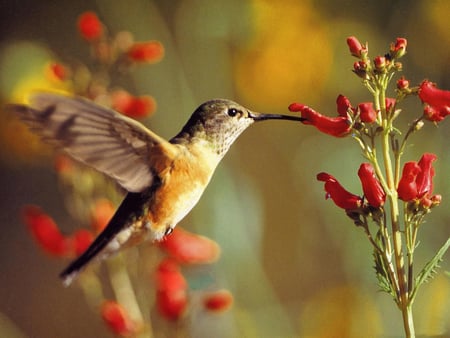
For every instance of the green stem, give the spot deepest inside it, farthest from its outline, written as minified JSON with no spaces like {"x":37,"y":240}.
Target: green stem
{"x":380,"y":104}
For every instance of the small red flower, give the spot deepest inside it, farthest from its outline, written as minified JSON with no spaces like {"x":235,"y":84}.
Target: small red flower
{"x":399,"y":48}
{"x":149,"y":51}
{"x":58,"y":71}
{"x":373,"y":191}
{"x":341,"y":197}
{"x":355,"y":47}
{"x":343,"y":105}
{"x":172,"y":305}
{"x":188,"y":248}
{"x":133,"y":106}
{"x":81,"y":240}
{"x":218,"y":301}
{"x":367,"y":113}
{"x":417,"y":180}
{"x":437,"y":101}
{"x":425,"y":176}
{"x":117,"y":319}
{"x":407,"y":186}
{"x":90,"y":26}
{"x":46,"y":232}
{"x":171,"y":290}
{"x":336,"y":126}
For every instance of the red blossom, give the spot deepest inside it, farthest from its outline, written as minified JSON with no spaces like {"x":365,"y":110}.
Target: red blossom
{"x":417,"y":181}
{"x":407,"y":186}
{"x":425,"y":176}
{"x":171,"y":290}
{"x":341,"y":197}
{"x":189,"y":248}
{"x":172,"y":305}
{"x":373,"y":191}
{"x":58,"y":71}
{"x":336,"y":126}
{"x":81,"y":240}
{"x":218,"y":301}
{"x":117,"y":319}
{"x":149,"y":51}
{"x":90,"y":26}
{"x":133,"y":106}
{"x":46,"y":232}
{"x":366,"y":112}
{"x":437,"y":101}
{"x":355,"y":47}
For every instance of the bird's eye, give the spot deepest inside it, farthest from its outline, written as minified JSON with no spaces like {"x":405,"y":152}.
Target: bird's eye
{"x":233,"y":112}
{"x":168,"y":231}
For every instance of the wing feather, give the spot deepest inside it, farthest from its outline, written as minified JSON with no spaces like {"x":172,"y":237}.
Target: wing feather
{"x":100,"y":137}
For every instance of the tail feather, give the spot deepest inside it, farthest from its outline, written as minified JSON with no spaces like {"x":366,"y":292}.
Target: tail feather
{"x":130,"y":208}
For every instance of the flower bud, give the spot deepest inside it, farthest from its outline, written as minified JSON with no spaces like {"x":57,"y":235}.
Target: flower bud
{"x":402,"y":83}
{"x":437,"y":101}
{"x":218,"y":301}
{"x":355,"y":47}
{"x":407,"y":186}
{"x":148,"y":52}
{"x":425,"y":176}
{"x":117,"y":319}
{"x":399,"y":48}
{"x":343,"y":105}
{"x":380,"y":63}
{"x":89,"y":26}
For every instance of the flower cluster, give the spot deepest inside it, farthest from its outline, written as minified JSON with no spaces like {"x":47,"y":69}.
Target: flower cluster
{"x":371,"y":124}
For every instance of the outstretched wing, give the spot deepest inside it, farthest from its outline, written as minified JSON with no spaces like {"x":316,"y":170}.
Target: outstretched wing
{"x":97,"y":136}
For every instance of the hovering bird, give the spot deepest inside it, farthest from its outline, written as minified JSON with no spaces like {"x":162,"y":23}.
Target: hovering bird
{"x":164,"y":179}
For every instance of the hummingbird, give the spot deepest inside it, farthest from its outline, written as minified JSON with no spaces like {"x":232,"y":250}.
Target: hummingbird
{"x":163,"y":179}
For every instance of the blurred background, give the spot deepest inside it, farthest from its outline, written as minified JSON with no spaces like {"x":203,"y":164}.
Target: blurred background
{"x":297,"y":267}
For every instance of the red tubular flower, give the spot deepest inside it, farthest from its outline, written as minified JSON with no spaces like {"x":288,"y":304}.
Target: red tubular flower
{"x":149,"y":51}
{"x":189,"y":248}
{"x":355,"y":47}
{"x":399,"y":48}
{"x":367,"y":113}
{"x":171,"y":286}
{"x":437,"y":101}
{"x":425,"y":176}
{"x":46,"y":232}
{"x":341,"y":197}
{"x":407,"y":186}
{"x":117,"y":319}
{"x":90,"y":26}
{"x":335,"y":126}
{"x":373,"y":191}
{"x":133,"y":106}
{"x":218,"y":301}
{"x":343,"y":105}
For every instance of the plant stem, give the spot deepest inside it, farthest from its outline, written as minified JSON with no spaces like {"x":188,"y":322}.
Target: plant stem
{"x":391,"y":192}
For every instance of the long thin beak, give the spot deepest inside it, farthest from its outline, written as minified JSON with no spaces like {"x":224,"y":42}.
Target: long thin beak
{"x":262,"y":117}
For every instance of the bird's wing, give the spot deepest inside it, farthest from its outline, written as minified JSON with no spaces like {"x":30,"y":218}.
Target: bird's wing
{"x":97,"y":136}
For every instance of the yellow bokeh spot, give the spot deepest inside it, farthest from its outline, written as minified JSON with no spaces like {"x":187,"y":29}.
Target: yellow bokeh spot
{"x":340,"y":312}
{"x":25,"y":70}
{"x":288,"y":57}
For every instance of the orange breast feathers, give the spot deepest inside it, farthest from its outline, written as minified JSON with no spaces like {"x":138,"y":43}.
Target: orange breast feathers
{"x":183,"y":181}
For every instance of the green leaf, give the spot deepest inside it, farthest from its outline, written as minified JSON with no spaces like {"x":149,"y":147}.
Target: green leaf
{"x":429,"y":270}
{"x":382,"y":274}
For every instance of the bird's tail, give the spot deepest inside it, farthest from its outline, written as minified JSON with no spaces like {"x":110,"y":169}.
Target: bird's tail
{"x":130,"y":208}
